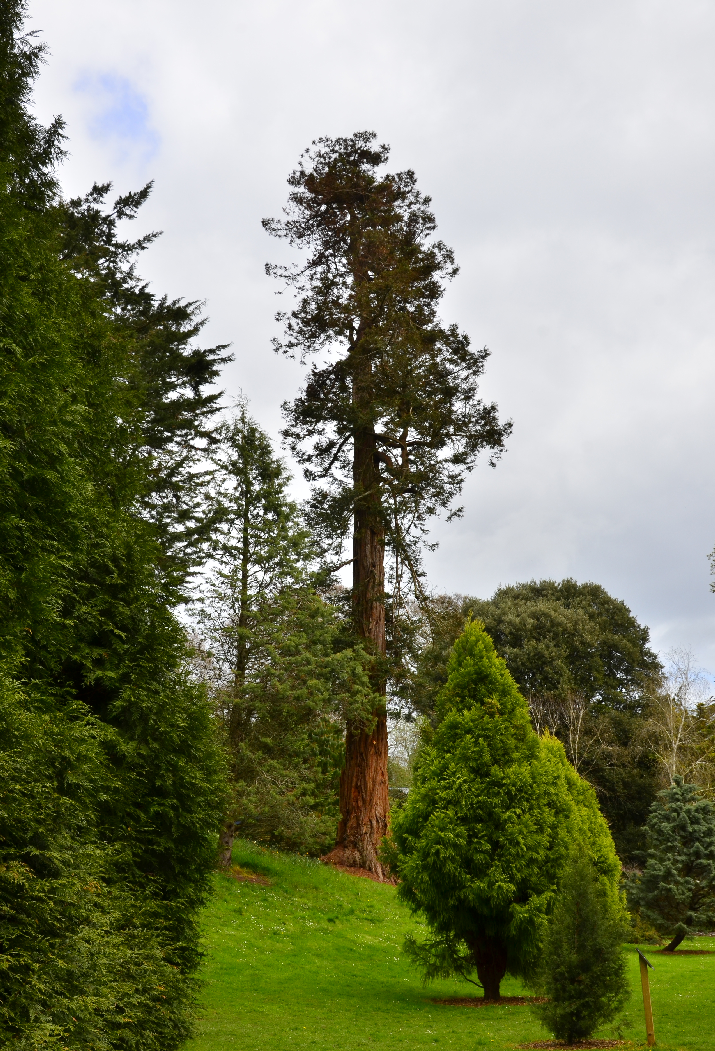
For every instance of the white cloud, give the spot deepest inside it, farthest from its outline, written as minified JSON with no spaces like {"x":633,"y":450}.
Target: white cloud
{"x":569,"y":150}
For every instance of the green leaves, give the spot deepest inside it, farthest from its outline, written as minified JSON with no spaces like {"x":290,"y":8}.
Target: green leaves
{"x":279,"y":672}
{"x":83,"y":954}
{"x":562,"y":637}
{"x":583,"y":663}
{"x":111,"y":779}
{"x":485,"y":830}
{"x":168,"y":377}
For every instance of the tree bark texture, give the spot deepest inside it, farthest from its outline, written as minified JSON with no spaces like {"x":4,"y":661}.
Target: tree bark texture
{"x":673,"y":945}
{"x":489,"y":955}
{"x":364,"y":801}
{"x":225,"y":845}
{"x":363,"y":798}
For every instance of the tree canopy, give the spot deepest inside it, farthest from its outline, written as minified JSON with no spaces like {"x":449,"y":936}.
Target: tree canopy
{"x":563,"y":637}
{"x":171,"y":376}
{"x":583,"y":663}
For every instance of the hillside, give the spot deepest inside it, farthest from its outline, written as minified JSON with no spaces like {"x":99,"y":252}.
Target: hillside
{"x":301,"y":956}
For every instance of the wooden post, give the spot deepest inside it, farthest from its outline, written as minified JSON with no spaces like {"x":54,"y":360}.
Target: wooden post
{"x":650,"y":1032}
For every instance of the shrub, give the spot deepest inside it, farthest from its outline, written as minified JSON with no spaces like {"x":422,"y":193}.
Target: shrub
{"x":583,"y":969}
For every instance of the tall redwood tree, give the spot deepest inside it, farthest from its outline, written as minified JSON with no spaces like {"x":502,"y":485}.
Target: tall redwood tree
{"x":389,"y":420}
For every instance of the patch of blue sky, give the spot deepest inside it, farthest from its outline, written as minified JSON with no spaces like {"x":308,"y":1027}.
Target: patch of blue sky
{"x":120,"y":114}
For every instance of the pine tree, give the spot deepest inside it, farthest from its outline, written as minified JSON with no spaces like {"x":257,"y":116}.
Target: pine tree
{"x":676,"y":891}
{"x":582,"y":973}
{"x":389,"y":423}
{"x":481,"y":842}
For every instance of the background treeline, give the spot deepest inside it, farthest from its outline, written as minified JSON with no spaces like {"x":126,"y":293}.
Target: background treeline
{"x":629,"y":724}
{"x":273,"y":645}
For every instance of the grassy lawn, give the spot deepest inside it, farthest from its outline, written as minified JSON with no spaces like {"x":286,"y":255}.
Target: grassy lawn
{"x":312,"y":959}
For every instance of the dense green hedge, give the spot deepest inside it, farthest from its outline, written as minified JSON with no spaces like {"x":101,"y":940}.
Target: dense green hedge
{"x":111,"y":777}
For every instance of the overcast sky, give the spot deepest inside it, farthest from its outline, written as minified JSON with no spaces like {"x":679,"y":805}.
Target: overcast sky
{"x":569,"y":151}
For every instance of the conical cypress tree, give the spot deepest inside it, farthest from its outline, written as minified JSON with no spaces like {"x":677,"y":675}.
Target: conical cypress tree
{"x":676,"y":892}
{"x":583,"y":970}
{"x":481,"y":842}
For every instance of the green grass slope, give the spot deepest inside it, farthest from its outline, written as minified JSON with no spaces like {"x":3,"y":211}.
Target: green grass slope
{"x":312,"y":959}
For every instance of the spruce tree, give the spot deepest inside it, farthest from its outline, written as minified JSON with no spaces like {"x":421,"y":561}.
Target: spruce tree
{"x":676,"y":890}
{"x":482,"y":840}
{"x":389,"y":421}
{"x":582,"y":972}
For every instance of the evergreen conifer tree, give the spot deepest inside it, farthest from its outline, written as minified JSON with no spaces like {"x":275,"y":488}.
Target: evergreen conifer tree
{"x":481,"y":842}
{"x":582,"y":972}
{"x":111,"y":773}
{"x":171,"y":377}
{"x":390,"y":422}
{"x":676,"y":890}
{"x":282,"y":677}
{"x":584,"y":665}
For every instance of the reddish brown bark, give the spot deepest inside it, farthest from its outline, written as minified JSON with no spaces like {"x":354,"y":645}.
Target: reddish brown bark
{"x":364,"y":801}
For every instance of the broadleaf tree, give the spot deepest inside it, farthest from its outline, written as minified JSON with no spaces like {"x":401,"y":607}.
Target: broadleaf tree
{"x":389,"y":420}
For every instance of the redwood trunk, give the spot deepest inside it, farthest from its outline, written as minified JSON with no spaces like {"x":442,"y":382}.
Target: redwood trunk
{"x":489,"y":955}
{"x":363,"y":798}
{"x":364,"y":801}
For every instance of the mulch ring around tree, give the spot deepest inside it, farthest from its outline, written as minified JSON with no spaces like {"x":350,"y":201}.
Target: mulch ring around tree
{"x":479,"y":1001}
{"x":583,"y":1045}
{"x":236,"y":872}
{"x":363,"y":873}
{"x":327,"y":859}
